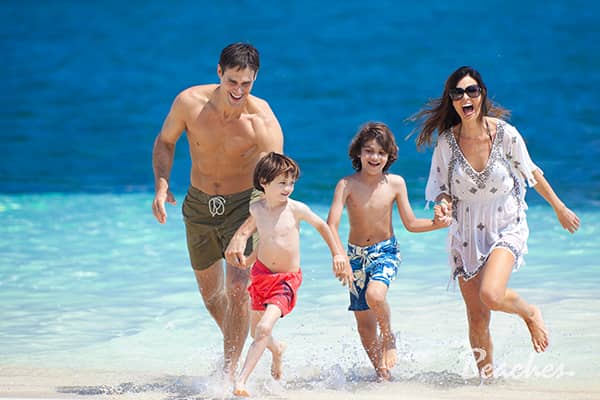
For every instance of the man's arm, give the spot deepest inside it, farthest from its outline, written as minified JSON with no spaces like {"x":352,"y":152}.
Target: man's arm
{"x":163,"y":153}
{"x":272,"y":140}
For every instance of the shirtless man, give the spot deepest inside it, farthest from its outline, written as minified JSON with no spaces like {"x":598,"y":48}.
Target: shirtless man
{"x":228,"y":131}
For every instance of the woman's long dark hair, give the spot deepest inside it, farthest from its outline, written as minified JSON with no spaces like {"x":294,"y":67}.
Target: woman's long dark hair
{"x":440,"y":115}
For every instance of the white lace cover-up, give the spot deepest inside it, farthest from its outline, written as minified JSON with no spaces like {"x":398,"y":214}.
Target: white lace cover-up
{"x":488,"y":206}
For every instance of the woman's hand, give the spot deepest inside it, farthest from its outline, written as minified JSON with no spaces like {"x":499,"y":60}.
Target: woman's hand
{"x":445,"y":208}
{"x":441,"y":218}
{"x":568,"y":219}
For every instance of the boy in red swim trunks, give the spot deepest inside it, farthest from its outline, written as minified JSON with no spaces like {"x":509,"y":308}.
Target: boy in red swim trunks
{"x":276,"y":274}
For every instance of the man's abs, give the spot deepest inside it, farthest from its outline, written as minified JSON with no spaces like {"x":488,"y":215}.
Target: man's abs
{"x":220,"y":183}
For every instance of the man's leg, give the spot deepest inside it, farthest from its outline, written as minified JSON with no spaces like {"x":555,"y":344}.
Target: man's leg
{"x":235,"y":323}
{"x":211,"y":284}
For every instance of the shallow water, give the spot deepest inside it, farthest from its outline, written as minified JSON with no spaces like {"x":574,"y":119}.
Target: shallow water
{"x":93,"y":282}
{"x":88,"y":279}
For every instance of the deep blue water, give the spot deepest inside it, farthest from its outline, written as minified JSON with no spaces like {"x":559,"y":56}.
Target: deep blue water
{"x":85,"y":86}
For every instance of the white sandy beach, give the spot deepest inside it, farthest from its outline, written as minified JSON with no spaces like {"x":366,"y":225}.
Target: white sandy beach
{"x":32,"y":383}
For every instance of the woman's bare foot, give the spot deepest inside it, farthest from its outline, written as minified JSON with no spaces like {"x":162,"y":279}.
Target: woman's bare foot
{"x":240,"y":390}
{"x":537,"y":329}
{"x":277,"y":363}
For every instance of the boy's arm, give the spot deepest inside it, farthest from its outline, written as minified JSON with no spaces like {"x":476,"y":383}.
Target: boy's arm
{"x":336,"y":209}
{"x":567,"y":218}
{"x":410,"y":221}
{"x":337,"y":251}
{"x":342,"y":272}
{"x":234,"y":253}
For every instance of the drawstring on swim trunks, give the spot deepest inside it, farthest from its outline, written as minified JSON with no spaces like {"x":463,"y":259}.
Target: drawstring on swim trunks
{"x":216,"y":205}
{"x":361,"y":253}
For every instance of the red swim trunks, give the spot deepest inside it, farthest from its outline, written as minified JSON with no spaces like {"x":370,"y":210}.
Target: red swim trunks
{"x":268,"y":287}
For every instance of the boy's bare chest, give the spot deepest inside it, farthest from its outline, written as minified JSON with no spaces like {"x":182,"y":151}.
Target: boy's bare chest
{"x":278,"y":225}
{"x":379,"y":199}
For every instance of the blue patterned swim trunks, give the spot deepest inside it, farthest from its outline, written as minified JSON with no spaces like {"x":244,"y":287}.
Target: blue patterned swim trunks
{"x":378,"y":262}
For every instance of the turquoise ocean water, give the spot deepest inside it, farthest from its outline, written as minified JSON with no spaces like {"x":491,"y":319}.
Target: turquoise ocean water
{"x":89,"y":280}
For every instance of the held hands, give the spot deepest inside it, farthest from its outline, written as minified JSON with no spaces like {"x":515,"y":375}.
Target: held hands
{"x":442,"y":213}
{"x":158,"y":205}
{"x":342,"y":269}
{"x":246,"y":262}
{"x":234,"y":253}
{"x":568,"y":219}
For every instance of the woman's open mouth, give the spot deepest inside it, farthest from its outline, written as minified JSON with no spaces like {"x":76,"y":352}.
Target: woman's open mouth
{"x":468,"y":109}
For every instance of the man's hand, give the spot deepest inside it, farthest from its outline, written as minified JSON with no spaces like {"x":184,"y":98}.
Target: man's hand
{"x":234,"y":253}
{"x":158,"y":205}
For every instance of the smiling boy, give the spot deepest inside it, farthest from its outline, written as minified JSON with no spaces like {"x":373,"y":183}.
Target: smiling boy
{"x":276,"y":275}
{"x":369,"y":196}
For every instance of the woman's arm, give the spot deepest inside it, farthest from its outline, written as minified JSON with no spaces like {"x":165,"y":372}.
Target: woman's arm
{"x":567,"y":218}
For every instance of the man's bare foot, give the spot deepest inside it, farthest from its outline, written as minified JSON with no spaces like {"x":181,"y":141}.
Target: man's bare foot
{"x":537,"y":329}
{"x":240,"y":390}
{"x":389,"y":355}
{"x":277,"y":363}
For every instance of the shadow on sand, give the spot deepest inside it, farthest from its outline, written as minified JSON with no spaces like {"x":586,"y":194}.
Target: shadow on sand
{"x":201,"y":388}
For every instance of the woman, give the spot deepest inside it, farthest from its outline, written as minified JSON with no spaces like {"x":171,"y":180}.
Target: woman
{"x":478,"y":173}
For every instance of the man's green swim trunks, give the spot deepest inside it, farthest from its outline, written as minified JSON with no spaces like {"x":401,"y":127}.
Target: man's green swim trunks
{"x":211,"y":222}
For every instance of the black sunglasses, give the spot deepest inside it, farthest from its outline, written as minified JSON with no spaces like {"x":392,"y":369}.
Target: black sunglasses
{"x":471,"y":91}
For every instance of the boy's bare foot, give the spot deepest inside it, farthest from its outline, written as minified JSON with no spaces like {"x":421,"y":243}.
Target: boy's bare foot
{"x":537,"y":329}
{"x":277,"y":363}
{"x":240,"y":390}
{"x":389,"y":355}
{"x":383,"y":374}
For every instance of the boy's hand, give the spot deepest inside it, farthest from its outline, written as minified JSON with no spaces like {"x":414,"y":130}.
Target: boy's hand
{"x":342,"y":269}
{"x":443,"y":212}
{"x":442,"y":216}
{"x":248,"y":261}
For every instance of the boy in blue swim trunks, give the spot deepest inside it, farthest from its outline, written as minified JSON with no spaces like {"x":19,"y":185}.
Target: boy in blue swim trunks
{"x":369,"y":196}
